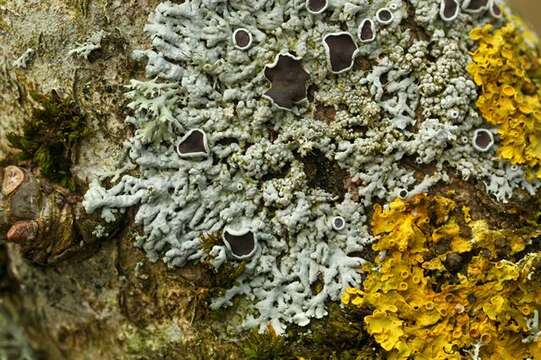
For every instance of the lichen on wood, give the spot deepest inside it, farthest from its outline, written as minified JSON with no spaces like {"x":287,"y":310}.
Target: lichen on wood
{"x":227,"y":225}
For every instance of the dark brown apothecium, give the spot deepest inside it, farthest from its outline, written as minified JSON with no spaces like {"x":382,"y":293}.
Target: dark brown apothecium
{"x":495,"y":10}
{"x":475,"y":5}
{"x":384,"y":16}
{"x":341,"y":51}
{"x":288,"y":81}
{"x":242,"y":244}
{"x":193,"y":144}
{"x":483,"y":140}
{"x":316,"y":6}
{"x":449,"y":9}
{"x":242,"y":39}
{"x":367,"y":32}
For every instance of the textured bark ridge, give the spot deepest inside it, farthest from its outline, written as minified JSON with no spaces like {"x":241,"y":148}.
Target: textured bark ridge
{"x":322,"y":144}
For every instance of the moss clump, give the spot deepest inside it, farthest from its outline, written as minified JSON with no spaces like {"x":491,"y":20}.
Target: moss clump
{"x":336,"y":337}
{"x":266,"y":346}
{"x":338,"y":332}
{"x":208,"y":241}
{"x":324,"y":174}
{"x":51,"y":135}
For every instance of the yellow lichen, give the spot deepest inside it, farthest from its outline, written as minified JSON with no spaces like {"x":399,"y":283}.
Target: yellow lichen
{"x":422,"y":309}
{"x":506,"y":67}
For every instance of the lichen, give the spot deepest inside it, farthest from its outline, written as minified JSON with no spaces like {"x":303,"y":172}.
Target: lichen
{"x":23,"y":61}
{"x":93,"y":43}
{"x":436,"y":292}
{"x":505,"y":65}
{"x":397,"y":121}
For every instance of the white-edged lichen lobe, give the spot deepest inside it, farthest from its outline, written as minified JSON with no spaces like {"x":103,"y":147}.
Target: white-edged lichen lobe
{"x":286,"y":171}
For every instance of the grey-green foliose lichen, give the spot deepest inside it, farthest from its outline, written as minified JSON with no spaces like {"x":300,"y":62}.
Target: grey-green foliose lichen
{"x":406,"y":103}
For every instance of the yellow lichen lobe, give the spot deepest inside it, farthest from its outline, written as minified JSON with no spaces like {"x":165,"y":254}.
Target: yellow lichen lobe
{"x":434,"y":292}
{"x":505,"y":65}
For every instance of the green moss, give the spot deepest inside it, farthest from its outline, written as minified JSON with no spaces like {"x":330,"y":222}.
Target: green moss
{"x":51,"y":136}
{"x":318,"y":285}
{"x":226,"y":276}
{"x":338,"y":336}
{"x":208,"y":241}
{"x":324,"y":174}
{"x":266,"y":347}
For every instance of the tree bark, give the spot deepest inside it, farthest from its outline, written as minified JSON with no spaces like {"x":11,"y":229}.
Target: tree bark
{"x":76,"y":295}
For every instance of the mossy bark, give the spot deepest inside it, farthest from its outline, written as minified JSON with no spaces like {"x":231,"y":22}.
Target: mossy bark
{"x":106,"y":300}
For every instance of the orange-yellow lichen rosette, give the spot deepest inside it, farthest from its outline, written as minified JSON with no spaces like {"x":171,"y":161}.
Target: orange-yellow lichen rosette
{"x":439,"y":288}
